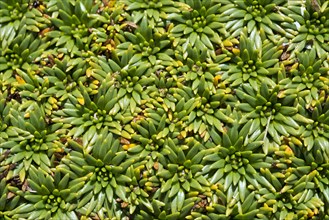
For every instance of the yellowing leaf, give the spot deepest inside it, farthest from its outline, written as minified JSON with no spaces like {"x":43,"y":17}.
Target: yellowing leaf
{"x":61,"y":55}
{"x":20,"y":80}
{"x":294,"y":66}
{"x":216,"y":79}
{"x":128,"y":146}
{"x":41,"y":8}
{"x":52,"y":100}
{"x":109,"y":47}
{"x":180,"y":63}
{"x":111,"y":3}
{"x":227,"y":43}
{"x":236,"y":51}
{"x":288,"y":151}
{"x":81,"y":100}
{"x":89,"y":72}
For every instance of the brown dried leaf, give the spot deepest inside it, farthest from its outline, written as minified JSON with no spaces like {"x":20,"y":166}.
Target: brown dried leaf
{"x":156,"y":165}
{"x":124,"y":141}
{"x":124,"y":204}
{"x":10,"y":195}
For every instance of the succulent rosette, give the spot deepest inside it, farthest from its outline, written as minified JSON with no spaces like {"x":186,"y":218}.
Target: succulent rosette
{"x":18,"y":60}
{"x":233,"y":161}
{"x":179,"y":171}
{"x":87,"y":115}
{"x":32,"y":140}
{"x":307,"y":78}
{"x":310,"y":26}
{"x":251,"y":65}
{"x":273,"y":116}
{"x":314,"y":133}
{"x":105,"y":170}
{"x":18,"y":15}
{"x":198,"y":24}
{"x":132,"y":83}
{"x":300,"y":190}
{"x":49,"y":196}
{"x":61,"y":77}
{"x":73,"y":24}
{"x":196,"y":114}
{"x":156,"y":11}
{"x":200,"y":71}
{"x":261,"y":17}
{"x":147,"y":45}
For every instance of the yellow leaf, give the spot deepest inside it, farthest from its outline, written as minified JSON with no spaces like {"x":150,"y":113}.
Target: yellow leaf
{"x":180,"y":63}
{"x":227,"y":43}
{"x":89,"y":72}
{"x":288,"y":151}
{"x":60,"y":56}
{"x":236,"y":51}
{"x":310,"y":214}
{"x":42,"y":8}
{"x":216,"y":79}
{"x":96,"y":82}
{"x":109,"y":47}
{"x":20,"y":80}
{"x":111,"y":3}
{"x":234,"y":41}
{"x":295,"y":66}
{"x":214,"y":187}
{"x":170,"y":115}
{"x":128,"y":146}
{"x":81,"y":100}
{"x":52,"y":100}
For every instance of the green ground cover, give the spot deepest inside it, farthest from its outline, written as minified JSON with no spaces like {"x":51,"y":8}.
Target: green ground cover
{"x":164,"y":109}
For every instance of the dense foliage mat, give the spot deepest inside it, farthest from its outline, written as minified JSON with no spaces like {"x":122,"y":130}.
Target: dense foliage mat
{"x":164,"y":109}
